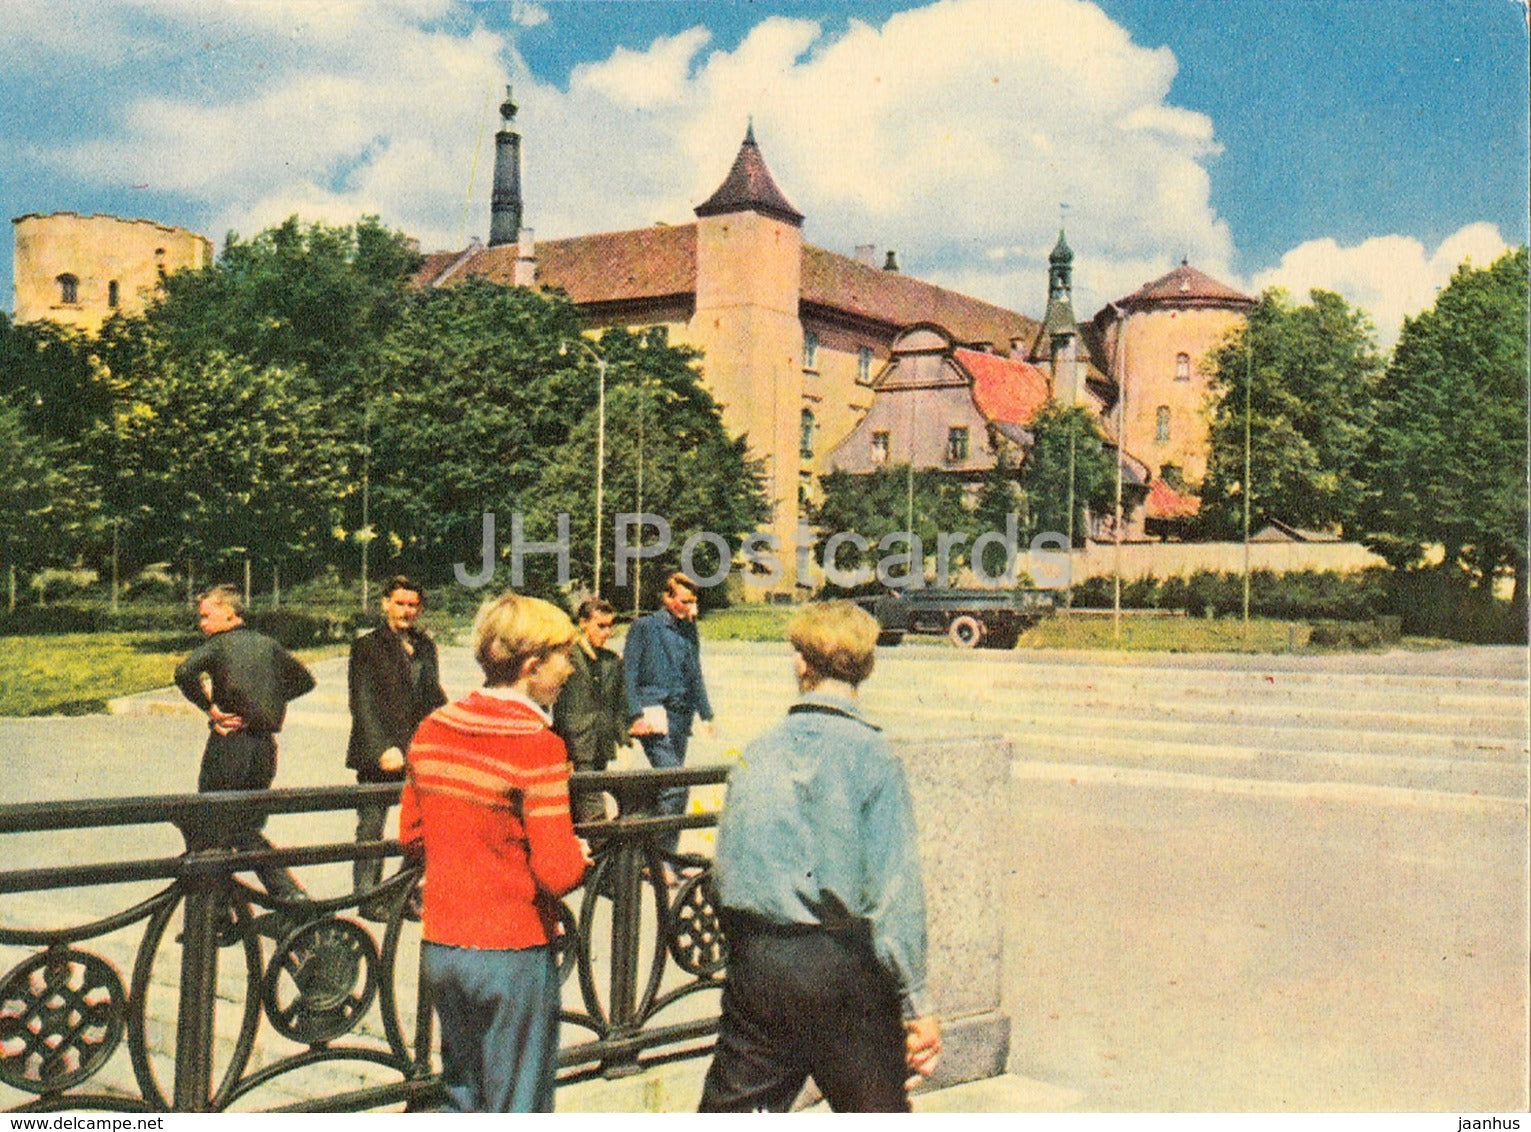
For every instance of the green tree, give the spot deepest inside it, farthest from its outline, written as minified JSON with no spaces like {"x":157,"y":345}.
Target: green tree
{"x":881,"y":503}
{"x":55,"y":376}
{"x":210,"y":454}
{"x":1308,"y":377}
{"x":1045,"y":471}
{"x":1448,"y":457}
{"x":312,"y":298}
{"x":667,"y":454}
{"x":45,"y":507}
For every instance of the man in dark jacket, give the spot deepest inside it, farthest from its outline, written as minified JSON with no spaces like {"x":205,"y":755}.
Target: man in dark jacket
{"x":395,"y":682}
{"x":243,"y":680}
{"x":592,"y":714}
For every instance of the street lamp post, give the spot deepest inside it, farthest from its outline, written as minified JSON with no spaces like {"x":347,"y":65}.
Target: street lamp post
{"x":1121,"y":451}
{"x":600,"y":450}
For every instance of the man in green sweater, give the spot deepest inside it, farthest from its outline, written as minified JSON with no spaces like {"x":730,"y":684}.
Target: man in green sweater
{"x":243,"y":680}
{"x":593,"y":715}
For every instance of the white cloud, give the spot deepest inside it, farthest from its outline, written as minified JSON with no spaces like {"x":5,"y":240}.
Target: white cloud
{"x":1389,"y":277}
{"x":951,"y":133}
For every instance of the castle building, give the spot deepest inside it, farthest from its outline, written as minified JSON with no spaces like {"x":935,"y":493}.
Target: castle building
{"x":81,"y":270}
{"x":792,"y":334}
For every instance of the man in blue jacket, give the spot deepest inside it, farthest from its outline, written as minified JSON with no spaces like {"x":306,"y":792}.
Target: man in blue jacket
{"x":664,"y":671}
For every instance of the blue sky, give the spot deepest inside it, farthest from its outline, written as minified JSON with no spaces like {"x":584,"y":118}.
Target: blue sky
{"x":1367,"y":146}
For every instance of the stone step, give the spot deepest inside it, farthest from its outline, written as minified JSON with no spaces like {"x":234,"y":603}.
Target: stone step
{"x":1449,"y":775}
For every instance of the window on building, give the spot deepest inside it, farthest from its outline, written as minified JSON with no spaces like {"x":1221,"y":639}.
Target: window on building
{"x":68,"y":289}
{"x":1182,"y":367}
{"x":864,"y":364}
{"x":810,"y":350}
{"x":1162,"y":425}
{"x":111,"y":293}
{"x":956,"y":444}
{"x":805,"y":435}
{"x":879,"y":448}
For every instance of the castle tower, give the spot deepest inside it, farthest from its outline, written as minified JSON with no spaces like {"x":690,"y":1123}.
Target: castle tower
{"x":749,"y":257}
{"x":1158,"y":339}
{"x":505,"y":204}
{"x":1059,"y":326}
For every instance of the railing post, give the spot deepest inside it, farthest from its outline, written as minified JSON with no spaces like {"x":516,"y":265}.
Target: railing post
{"x":626,"y":933}
{"x":206,"y":905}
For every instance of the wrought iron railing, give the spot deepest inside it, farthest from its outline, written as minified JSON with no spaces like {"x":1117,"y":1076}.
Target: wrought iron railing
{"x":640,"y":938}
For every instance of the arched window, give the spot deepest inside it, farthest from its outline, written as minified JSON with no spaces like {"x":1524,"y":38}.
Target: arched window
{"x":805,"y":436}
{"x":1182,"y":367}
{"x":68,"y":289}
{"x":1162,"y":425}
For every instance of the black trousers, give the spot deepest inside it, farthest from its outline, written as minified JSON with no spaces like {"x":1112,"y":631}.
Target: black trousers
{"x":801,"y":1003}
{"x":242,"y":761}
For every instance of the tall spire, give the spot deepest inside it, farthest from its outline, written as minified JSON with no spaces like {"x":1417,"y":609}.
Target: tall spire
{"x":505,"y":204}
{"x":749,"y":187}
{"x":1060,"y":319}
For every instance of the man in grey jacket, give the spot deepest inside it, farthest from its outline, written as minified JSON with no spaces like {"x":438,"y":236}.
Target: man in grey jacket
{"x":243,"y":680}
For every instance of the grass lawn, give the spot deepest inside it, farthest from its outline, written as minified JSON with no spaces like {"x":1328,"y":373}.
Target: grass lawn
{"x":1166,"y":634}
{"x":77,"y":673}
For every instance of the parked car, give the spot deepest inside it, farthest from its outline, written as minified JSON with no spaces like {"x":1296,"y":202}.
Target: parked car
{"x":972,"y":618}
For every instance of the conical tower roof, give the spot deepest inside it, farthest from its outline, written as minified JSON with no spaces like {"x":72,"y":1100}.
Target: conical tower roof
{"x":749,"y":187}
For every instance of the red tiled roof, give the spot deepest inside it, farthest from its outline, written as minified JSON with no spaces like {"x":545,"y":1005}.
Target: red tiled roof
{"x":1185,"y":285}
{"x":432,"y":264}
{"x":1006,"y":390}
{"x":842,"y":283}
{"x":614,"y":266}
{"x":1164,"y":502}
{"x":645,"y":263}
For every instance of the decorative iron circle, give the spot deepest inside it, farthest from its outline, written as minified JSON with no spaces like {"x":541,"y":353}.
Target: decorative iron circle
{"x":696,"y":937}
{"x":62,"y":1013}
{"x":566,"y":941}
{"x":321,"y":980}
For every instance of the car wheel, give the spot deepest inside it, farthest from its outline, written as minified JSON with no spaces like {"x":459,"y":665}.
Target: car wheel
{"x":965,"y":631}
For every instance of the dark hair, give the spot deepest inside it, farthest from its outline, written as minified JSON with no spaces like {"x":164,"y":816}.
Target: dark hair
{"x":591,"y":606}
{"x":403,"y":582}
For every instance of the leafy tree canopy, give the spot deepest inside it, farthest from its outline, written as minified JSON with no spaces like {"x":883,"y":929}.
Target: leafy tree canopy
{"x":45,"y":505}
{"x":1067,"y":447}
{"x":313,"y":298}
{"x":1448,"y":458}
{"x":1307,"y":376}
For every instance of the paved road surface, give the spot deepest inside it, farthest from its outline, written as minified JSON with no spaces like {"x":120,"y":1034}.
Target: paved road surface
{"x":1238,"y":883}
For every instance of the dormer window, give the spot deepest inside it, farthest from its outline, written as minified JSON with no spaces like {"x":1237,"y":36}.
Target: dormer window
{"x":956,"y":444}
{"x":1182,"y":367}
{"x":68,"y":290}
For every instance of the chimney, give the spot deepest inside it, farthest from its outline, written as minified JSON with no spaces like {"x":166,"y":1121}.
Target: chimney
{"x":505,"y":204}
{"x":526,"y":260}
{"x":867,"y":254}
{"x":891,"y":263}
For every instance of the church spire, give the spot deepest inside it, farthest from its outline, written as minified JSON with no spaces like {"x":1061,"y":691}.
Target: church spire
{"x":505,"y":204}
{"x":1060,"y":319}
{"x":749,"y":187}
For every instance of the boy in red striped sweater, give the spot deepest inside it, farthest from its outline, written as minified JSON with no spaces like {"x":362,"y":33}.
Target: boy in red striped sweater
{"x":486,"y":800}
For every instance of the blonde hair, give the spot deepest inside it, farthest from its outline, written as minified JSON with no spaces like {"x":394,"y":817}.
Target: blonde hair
{"x":512,"y":629}
{"x":837,"y":640}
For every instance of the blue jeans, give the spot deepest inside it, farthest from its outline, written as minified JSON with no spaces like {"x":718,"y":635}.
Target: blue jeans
{"x":664,"y":753}
{"x":499,"y":1026}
